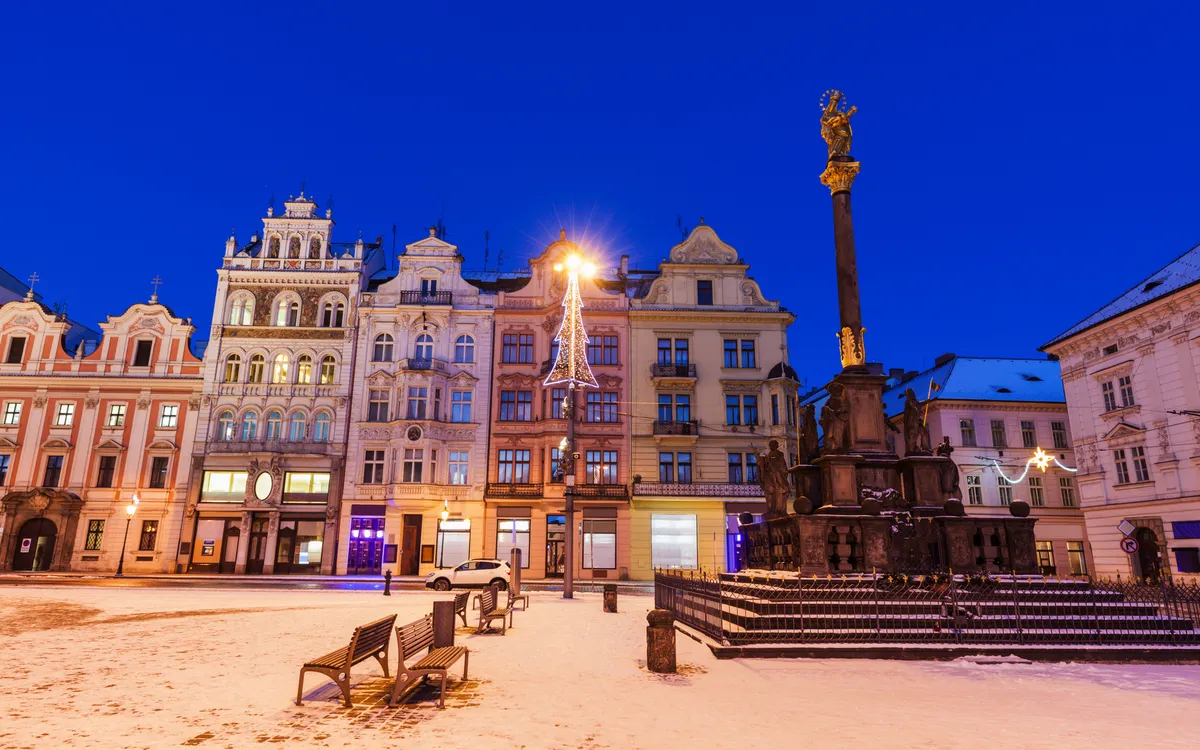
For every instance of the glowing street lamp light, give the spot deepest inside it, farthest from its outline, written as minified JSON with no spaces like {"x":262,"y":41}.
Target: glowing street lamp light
{"x":129,"y":511}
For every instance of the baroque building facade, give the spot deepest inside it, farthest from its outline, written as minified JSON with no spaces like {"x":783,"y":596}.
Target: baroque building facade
{"x":267,"y":469}
{"x":711,"y":387}
{"x":93,"y":423}
{"x":417,"y":457}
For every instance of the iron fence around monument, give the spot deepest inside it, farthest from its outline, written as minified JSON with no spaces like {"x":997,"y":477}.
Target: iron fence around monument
{"x":936,"y":608}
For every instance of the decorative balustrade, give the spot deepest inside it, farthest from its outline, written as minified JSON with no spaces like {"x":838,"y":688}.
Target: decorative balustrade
{"x":417,"y":363}
{"x":418,"y":297}
{"x":313,"y":447}
{"x":619,"y":491}
{"x":514,"y":489}
{"x":688,"y":427}
{"x":689,"y":489}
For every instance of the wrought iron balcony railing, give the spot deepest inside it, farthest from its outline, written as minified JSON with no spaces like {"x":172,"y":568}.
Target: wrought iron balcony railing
{"x":689,"y":427}
{"x":672,"y":371}
{"x":514,"y":489}
{"x":602,"y":490}
{"x":417,"y":297}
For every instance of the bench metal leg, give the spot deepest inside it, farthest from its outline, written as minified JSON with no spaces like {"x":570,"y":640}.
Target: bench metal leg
{"x":442,"y":699}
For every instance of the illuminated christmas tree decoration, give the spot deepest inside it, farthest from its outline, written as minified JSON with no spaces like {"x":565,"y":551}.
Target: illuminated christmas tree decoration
{"x":1041,"y":459}
{"x":572,"y":365}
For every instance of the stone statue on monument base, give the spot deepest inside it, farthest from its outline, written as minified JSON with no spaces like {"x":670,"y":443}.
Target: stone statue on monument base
{"x":773,"y":478}
{"x":835,"y":416}
{"x":916,"y":438}
{"x":809,"y":447}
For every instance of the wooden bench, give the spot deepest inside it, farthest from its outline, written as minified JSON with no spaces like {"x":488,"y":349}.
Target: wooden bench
{"x":515,"y":595}
{"x":488,"y":611}
{"x":370,"y":640}
{"x":460,"y":606}
{"x":414,"y":637}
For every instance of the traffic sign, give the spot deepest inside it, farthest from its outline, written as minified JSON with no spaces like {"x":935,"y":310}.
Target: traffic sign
{"x":1126,"y":528}
{"x":1129,"y":545}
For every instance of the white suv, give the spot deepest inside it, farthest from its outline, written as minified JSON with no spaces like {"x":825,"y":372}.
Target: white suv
{"x":471,"y":574}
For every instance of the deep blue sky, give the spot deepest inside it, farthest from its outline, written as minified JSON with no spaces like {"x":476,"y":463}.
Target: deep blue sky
{"x":1021,"y":167}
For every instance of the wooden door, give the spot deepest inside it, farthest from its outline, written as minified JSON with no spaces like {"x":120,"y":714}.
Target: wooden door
{"x":258,"y":546}
{"x":410,"y":551}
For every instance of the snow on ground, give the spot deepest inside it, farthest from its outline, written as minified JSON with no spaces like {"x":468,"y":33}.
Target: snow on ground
{"x":125,"y":667}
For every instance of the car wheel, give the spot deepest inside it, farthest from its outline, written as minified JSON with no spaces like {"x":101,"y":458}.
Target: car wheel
{"x":500,"y":583}
{"x":441,"y":584}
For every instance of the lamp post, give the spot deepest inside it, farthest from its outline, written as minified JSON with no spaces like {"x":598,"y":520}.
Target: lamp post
{"x":129,"y":511}
{"x":571,"y":368}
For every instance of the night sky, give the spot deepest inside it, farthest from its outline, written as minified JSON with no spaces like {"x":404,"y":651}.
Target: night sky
{"x":1020,"y":167}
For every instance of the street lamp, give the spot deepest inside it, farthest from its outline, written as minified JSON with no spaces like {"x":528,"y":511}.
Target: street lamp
{"x":129,"y":511}
{"x":571,"y":368}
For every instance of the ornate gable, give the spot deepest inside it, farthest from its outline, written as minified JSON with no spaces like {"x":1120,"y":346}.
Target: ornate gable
{"x":1123,"y":432}
{"x":703,"y":246}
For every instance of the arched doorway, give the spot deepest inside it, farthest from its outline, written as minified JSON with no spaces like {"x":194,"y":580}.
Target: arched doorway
{"x":1148,"y":562}
{"x":35,"y":545}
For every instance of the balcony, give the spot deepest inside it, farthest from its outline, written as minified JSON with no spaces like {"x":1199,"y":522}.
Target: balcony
{"x":689,"y":427}
{"x":672,"y":371}
{"x":420,"y":363}
{"x":689,"y":489}
{"x":295,"y":447}
{"x":616,"y":491}
{"x":418,"y":297}
{"x":514,"y":489}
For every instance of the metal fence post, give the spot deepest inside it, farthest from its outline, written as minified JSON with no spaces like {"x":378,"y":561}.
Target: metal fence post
{"x":875,"y":596}
{"x":954,"y":609}
{"x":1162,"y":579}
{"x":1095,"y":609}
{"x":1017,"y":609}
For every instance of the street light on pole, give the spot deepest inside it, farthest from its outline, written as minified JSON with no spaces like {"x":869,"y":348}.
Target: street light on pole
{"x":571,"y":368}
{"x":129,"y":511}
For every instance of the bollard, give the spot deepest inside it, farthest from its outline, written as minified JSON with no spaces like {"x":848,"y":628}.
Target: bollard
{"x":660,"y":641}
{"x":443,"y":624}
{"x":387,"y":583}
{"x":610,"y":597}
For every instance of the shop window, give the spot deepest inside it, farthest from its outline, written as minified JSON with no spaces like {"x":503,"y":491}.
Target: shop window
{"x":224,"y":486}
{"x":512,"y":533}
{"x":673,"y":540}
{"x":599,"y":543}
{"x":453,"y":542}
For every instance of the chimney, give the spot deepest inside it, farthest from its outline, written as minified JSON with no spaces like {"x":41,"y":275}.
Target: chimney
{"x":624,"y":270}
{"x":944,"y":359}
{"x":896,"y":373}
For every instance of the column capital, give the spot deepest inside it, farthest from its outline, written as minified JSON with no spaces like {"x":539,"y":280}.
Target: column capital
{"x":839,"y":175}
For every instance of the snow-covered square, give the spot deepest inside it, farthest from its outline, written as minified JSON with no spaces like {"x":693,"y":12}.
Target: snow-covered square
{"x":105,"y":667}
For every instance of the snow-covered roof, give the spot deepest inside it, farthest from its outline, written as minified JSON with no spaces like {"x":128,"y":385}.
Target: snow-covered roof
{"x":981,"y":379}
{"x":1178,"y":274}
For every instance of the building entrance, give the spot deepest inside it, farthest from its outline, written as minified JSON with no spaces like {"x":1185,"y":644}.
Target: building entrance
{"x":366,"y":546}
{"x":35,"y":545}
{"x":556,"y":540}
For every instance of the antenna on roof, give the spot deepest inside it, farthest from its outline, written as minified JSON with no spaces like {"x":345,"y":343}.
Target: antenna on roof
{"x":441,"y":228}
{"x":303,"y":184}
{"x":487,"y":237}
{"x":393,"y":247}
{"x":683,"y":231}
{"x":499,"y":259}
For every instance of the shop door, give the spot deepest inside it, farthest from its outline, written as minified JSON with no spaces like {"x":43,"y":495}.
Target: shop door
{"x":410,"y":551}
{"x":283,"y":547}
{"x":366,"y":545}
{"x":229,"y":548}
{"x":556,"y":539}
{"x":258,"y":546}
{"x":35,"y":545}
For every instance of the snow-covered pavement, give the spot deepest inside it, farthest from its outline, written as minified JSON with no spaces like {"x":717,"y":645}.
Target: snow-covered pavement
{"x":106,"y":667}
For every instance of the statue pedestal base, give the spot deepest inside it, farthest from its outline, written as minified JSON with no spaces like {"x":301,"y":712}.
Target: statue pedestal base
{"x":921,"y":479}
{"x":839,"y":482}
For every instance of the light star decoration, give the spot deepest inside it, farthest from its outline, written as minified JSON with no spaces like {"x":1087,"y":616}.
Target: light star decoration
{"x":1041,"y":459}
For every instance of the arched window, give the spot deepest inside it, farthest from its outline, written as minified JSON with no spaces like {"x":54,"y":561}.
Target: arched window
{"x":328,"y":369}
{"x":464,"y":349}
{"x":242,"y":312}
{"x":332,"y":313}
{"x":279,"y":370}
{"x":250,"y":426}
{"x":304,"y":370}
{"x":314,"y":248}
{"x":287,"y":312}
{"x":273,"y":248}
{"x":274,"y":425}
{"x":321,"y":427}
{"x":383,"y":348}
{"x":294,"y":246}
{"x":225,"y":425}
{"x":296,"y":427}
{"x":233,"y":368}
{"x":257,"y":365}
{"x":424,"y":347}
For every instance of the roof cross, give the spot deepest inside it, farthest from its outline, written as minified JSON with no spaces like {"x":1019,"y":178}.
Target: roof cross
{"x":33,"y":279}
{"x":156,"y":281}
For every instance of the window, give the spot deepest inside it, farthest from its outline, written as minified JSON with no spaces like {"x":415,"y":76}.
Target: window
{"x":675,"y":467}
{"x":1058,"y":432}
{"x":664,"y":351}
{"x":464,"y":349}
{"x":602,"y":350}
{"x":373,"y":467}
{"x":1140,"y":471}
{"x":233,"y":368}
{"x":1187,"y":559}
{"x":458,"y":466}
{"x":1076,"y":559}
{"x":107,"y":468}
{"x":599,"y":543}
{"x":95,"y":535}
{"x":683,"y":407}
{"x":5,"y":459}
{"x":304,"y":370}
{"x":601,"y":407}
{"x":149,"y":536}
{"x":512,"y":533}
{"x":666,"y":468}
{"x":279,"y":370}
{"x":414,"y":459}
{"x":1045,"y":558}
{"x":249,"y":425}
{"x":242,"y":312}
{"x":287,"y":313}
{"x":424,"y":349}
{"x":158,"y":472}
{"x":12,"y":412}
{"x":16,"y":350}
{"x":704,"y":292}
{"x":428,"y":287}
{"x":748,"y":359}
{"x":1006,"y":491}
{"x":556,"y":466}
{"x":508,"y":406}
{"x":554,"y":351}
{"x":513,"y":467}
{"x":460,"y":406}
{"x":673,"y":540}
{"x":1037,"y":498}
{"x":736,"y":476}
{"x":453,"y":542}
{"x":1110,"y":396}
{"x":974,"y":490}
{"x":65,"y":415}
{"x":749,"y":409}
{"x":524,"y":406}
{"x":377,"y":405}
{"x":509,"y":351}
{"x":999,"y":436}
{"x":321,"y":427}
{"x":328,"y":369}
{"x":1066,"y":486}
{"x":383,"y":348}
{"x":257,"y":366}
{"x":418,"y":398}
{"x":1028,"y":434}
{"x":1121,"y":465}
{"x":681,"y":351}
{"x":966,"y":428}
{"x":601,"y":467}
{"x":732,"y":410}
{"x":274,"y":425}
{"x":333,"y":313}
{"x":774,"y":409}
{"x":1125,"y":383}
{"x":525,"y":344}
{"x":557,"y":398}
{"x":297,"y":427}
{"x":169,"y":416}
{"x":54,"y":466}
{"x":225,"y":425}
{"x":224,"y":486}
{"x":141,"y":355}
{"x":731,"y":354}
